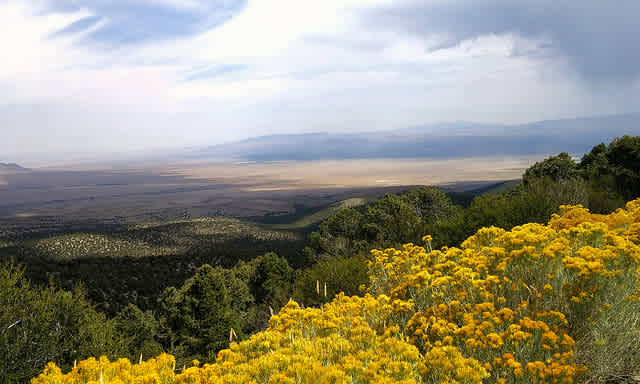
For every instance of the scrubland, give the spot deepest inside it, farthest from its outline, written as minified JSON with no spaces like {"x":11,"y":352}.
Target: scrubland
{"x":537,"y":303}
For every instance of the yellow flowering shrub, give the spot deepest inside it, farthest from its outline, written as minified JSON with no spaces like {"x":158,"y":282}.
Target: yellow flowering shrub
{"x":505,"y":307}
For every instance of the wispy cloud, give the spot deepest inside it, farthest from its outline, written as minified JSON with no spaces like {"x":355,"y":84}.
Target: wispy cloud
{"x":92,"y":77}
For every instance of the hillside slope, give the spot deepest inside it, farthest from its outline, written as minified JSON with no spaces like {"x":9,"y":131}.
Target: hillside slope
{"x":539,"y":303}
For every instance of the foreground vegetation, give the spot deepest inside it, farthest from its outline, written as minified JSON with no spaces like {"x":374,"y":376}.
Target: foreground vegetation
{"x":193,"y":304}
{"x":539,"y":303}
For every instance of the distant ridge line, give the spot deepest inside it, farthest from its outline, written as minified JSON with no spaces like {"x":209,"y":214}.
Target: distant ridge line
{"x":458,"y":139}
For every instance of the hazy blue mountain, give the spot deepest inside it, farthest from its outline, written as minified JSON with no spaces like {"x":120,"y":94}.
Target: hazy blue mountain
{"x":11,"y":168}
{"x":442,"y":140}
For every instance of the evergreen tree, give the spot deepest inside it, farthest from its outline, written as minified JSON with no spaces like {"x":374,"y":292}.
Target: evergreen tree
{"x":199,"y":315}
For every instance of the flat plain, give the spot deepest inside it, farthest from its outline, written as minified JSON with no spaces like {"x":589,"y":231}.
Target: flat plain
{"x":49,"y":200}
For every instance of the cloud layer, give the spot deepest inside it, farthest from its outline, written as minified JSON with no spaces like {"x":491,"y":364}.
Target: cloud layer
{"x":86,"y":79}
{"x":598,"y":38}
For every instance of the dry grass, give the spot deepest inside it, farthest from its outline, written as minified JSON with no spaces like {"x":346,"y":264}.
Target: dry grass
{"x":360,"y":173}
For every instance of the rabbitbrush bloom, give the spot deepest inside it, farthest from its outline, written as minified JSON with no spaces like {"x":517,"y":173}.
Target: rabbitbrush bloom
{"x":502,"y":308}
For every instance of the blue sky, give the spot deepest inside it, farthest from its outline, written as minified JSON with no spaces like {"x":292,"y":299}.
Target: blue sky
{"x":137,"y":21}
{"x":88,"y":78}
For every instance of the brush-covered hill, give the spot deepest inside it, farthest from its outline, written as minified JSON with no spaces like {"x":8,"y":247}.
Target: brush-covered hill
{"x":151,"y":239}
{"x":554,"y":303}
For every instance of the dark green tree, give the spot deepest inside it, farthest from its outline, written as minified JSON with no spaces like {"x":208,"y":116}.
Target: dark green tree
{"x":431,"y":204}
{"x":341,"y":234}
{"x":140,"y":330}
{"x":345,"y":222}
{"x":392,"y":221}
{"x":272,"y":281}
{"x":339,"y":274}
{"x":38,"y":325}
{"x":556,"y":168}
{"x":200,"y":315}
{"x":596,"y":159}
{"x":624,"y":159}
{"x":170,"y":320}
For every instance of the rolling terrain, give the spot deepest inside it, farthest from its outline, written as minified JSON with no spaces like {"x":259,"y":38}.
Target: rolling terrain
{"x":133,"y":261}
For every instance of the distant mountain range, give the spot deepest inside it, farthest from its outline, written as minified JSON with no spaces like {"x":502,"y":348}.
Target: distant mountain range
{"x":11,"y":168}
{"x":443,"y":140}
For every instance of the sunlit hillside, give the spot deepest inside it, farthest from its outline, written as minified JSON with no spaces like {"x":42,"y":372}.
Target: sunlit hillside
{"x":153,"y":239}
{"x":554,"y":303}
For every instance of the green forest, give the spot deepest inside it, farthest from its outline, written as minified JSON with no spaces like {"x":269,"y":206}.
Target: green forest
{"x":193,"y":304}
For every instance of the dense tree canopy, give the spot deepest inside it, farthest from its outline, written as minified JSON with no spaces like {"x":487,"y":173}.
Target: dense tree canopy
{"x":42,"y":324}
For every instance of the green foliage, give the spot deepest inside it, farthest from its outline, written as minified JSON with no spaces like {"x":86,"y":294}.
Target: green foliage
{"x":199,"y":315}
{"x":238,"y":289}
{"x":533,"y":202}
{"x":339,"y":274}
{"x":38,"y":325}
{"x":596,"y":160}
{"x":342,"y":234}
{"x":113,"y":283}
{"x":343,"y":239}
{"x":346,"y":222}
{"x":195,"y":320}
{"x":392,"y":220}
{"x":616,"y":166}
{"x":170,"y":321}
{"x":272,"y":280}
{"x":560,"y":167}
{"x":140,"y":329}
{"x":430,"y":204}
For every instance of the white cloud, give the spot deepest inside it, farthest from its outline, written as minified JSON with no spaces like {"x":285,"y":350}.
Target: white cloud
{"x":191,"y":5}
{"x":284,"y":66}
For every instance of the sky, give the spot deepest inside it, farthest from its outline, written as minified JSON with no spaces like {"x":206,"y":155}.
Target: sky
{"x":83,"y":79}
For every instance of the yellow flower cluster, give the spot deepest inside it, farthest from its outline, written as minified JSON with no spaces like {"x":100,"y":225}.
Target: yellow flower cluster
{"x":502,"y":308}
{"x":511,"y":299}
{"x":92,"y":371}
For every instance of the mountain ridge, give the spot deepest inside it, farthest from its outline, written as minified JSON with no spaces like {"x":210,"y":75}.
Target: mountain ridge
{"x":11,"y":167}
{"x":456,"y":139}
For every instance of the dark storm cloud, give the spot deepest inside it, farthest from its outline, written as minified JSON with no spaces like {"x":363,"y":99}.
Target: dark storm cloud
{"x":598,"y":38}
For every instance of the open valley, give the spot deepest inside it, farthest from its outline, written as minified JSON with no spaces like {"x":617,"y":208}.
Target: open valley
{"x":140,"y":193}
